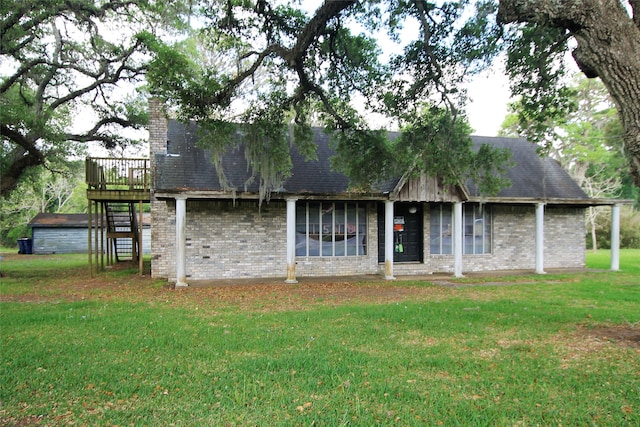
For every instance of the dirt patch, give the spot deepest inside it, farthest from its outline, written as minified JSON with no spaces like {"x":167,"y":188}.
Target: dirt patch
{"x":623,"y":335}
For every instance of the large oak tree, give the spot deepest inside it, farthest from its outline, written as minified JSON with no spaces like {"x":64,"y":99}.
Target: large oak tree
{"x":59,"y":58}
{"x":325,"y":65}
{"x":294,"y":66}
{"x":607,"y":37}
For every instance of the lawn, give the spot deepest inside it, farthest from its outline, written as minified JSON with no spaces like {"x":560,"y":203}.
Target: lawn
{"x":123,"y":349}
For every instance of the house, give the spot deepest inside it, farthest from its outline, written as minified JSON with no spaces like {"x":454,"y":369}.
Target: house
{"x":315,"y":226}
{"x":56,"y":233}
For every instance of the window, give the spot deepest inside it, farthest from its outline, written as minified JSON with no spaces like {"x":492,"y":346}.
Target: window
{"x":476,"y":229}
{"x":330,"y":229}
{"x":441,"y":230}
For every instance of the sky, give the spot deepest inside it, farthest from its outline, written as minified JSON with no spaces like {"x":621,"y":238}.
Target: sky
{"x":488,"y":95}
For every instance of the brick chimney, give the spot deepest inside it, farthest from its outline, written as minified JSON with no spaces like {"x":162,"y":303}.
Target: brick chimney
{"x":157,"y":128}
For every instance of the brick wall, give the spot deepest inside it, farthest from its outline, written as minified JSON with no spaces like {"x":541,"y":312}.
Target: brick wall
{"x":224,"y":240}
{"x":514,"y":241}
{"x":240,"y":241}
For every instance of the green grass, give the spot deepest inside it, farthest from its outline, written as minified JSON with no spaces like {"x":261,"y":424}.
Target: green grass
{"x":493,"y":355}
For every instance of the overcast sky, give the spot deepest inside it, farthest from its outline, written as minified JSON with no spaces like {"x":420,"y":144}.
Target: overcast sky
{"x":488,"y":99}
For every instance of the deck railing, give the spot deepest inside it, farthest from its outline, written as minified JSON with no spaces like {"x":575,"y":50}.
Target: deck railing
{"x":102,"y":173}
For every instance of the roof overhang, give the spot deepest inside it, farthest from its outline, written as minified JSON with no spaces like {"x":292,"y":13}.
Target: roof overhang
{"x":370,"y":196}
{"x":550,"y":201}
{"x":231,"y":195}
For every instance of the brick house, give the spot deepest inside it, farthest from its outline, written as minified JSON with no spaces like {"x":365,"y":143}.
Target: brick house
{"x":315,"y":226}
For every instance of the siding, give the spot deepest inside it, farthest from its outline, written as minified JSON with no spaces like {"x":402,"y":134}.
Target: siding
{"x":61,"y":240}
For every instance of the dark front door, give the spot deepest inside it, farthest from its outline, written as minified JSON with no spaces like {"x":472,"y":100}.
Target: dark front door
{"x":407,"y":234}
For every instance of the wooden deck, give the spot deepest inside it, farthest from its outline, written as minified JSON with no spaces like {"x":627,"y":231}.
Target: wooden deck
{"x":118,"y":180}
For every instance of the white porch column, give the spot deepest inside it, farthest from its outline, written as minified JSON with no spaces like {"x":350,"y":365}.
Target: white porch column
{"x":291,"y":241}
{"x":615,"y":238}
{"x":540,"y":238}
{"x":457,"y":239}
{"x":181,"y":242}
{"x":388,"y":240}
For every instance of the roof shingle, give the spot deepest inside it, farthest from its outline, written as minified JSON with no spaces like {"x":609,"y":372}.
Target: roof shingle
{"x":187,"y":167}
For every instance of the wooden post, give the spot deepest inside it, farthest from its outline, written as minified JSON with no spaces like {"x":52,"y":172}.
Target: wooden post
{"x":96,"y":239}
{"x":102,"y":247}
{"x":89,"y":246}
{"x":140,"y":227}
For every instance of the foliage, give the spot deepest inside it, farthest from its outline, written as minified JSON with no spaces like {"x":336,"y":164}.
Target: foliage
{"x":604,"y":38}
{"x":536,"y":69}
{"x":64,"y":64}
{"x":629,"y":229}
{"x":41,"y":190}
{"x":586,"y":139}
{"x":272,"y":65}
{"x":123,"y":350}
{"x":290,"y":66}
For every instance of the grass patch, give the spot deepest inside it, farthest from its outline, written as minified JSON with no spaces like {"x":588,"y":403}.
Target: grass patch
{"x":132,"y":352}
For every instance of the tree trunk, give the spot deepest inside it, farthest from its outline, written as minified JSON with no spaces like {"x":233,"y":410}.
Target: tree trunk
{"x":608,"y":47}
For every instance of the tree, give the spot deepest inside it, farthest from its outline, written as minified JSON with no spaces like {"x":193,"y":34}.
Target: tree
{"x":320,"y":64}
{"x":607,"y":34}
{"x":586,"y":141}
{"x":327,"y":67}
{"x":42,"y":191}
{"x":59,"y":59}
{"x":324,"y":65}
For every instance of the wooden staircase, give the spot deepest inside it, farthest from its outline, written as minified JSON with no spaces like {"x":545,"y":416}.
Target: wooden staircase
{"x":123,"y":230}
{"x":114,"y":187}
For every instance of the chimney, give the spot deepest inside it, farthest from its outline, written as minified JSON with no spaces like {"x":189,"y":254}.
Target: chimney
{"x":157,"y":129}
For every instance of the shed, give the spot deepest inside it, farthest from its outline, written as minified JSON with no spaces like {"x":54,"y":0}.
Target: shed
{"x":67,"y":233}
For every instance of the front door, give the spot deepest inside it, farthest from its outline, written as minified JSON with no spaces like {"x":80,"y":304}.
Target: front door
{"x":407,"y":232}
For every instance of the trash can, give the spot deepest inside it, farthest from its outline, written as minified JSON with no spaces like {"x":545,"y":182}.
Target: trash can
{"x":25,"y":246}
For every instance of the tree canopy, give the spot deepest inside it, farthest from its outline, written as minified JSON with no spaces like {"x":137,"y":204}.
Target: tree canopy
{"x":275,"y":68}
{"x":294,"y":66}
{"x":59,"y":58}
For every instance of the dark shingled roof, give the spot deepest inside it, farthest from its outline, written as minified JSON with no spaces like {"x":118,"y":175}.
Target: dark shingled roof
{"x":187,"y":167}
{"x":532,"y":176}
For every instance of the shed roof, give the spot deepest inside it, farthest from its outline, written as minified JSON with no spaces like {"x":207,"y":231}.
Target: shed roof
{"x":186,"y":167}
{"x":73,"y":220}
